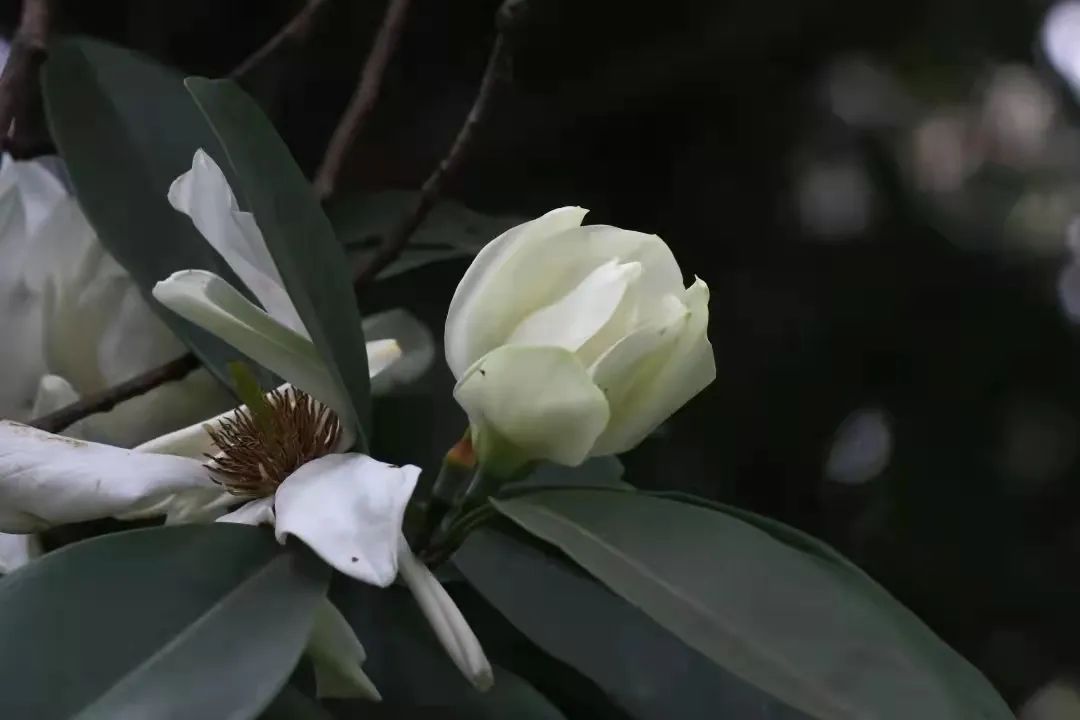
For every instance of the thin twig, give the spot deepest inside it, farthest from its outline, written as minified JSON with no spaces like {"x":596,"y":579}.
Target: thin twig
{"x":396,"y":240}
{"x":24,"y":60}
{"x":110,"y":397}
{"x":363,"y":99}
{"x":292,"y":30}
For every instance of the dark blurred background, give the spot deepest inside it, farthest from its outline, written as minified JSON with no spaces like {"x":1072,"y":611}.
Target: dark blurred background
{"x":880,"y":196}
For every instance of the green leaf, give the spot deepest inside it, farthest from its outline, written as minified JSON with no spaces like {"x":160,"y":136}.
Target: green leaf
{"x":817,"y":638}
{"x":412,"y":670}
{"x":126,"y":128}
{"x":643,"y":668}
{"x":599,"y":472}
{"x":200,"y":621}
{"x":291,"y":704}
{"x":270,"y":185}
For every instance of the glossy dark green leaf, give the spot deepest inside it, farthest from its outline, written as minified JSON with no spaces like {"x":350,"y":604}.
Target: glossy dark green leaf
{"x":292,"y":704}
{"x":574,"y":618}
{"x":126,"y":128}
{"x":202,"y":621}
{"x":599,"y":472}
{"x":269,"y":184}
{"x":768,"y":612}
{"x":411,"y":669}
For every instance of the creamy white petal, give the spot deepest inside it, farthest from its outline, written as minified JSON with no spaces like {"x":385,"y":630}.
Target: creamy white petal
{"x":48,"y":480}
{"x":381,"y":354}
{"x":16,"y":551}
{"x":204,"y":195}
{"x":253,"y":512}
{"x":337,"y":656}
{"x":211,"y":303}
{"x":198,"y":506}
{"x":446,"y":620}
{"x":660,"y":272}
{"x":539,"y":399}
{"x":479,"y":317}
{"x":667,"y":383}
{"x":579,"y":314}
{"x":415,"y":342}
{"x":638,"y":355}
{"x":348,"y":508}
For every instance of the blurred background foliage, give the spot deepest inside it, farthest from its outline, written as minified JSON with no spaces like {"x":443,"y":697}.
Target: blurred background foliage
{"x":880,"y":195}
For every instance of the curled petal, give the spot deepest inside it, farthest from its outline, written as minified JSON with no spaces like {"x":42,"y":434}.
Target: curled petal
{"x":348,"y":508}
{"x":446,"y":620}
{"x":666,"y":381}
{"x":539,"y":399}
{"x":204,"y":195}
{"x":486,"y":305}
{"x":211,"y":303}
{"x":48,"y":480}
{"x":337,"y":657}
{"x":579,"y":314}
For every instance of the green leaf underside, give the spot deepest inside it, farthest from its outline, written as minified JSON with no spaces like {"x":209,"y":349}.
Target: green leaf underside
{"x":126,"y":128}
{"x":201,"y":621}
{"x":768,"y":612}
{"x":269,"y":184}
{"x":574,"y":618}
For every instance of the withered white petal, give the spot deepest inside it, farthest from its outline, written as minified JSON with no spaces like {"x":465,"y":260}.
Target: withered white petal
{"x":48,"y":480}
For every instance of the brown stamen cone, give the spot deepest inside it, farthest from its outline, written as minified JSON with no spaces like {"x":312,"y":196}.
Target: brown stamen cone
{"x":257,"y":454}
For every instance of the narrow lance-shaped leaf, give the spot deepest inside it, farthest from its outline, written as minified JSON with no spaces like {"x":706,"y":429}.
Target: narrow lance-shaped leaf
{"x":269,"y":184}
{"x":199,"y":621}
{"x":802,"y":629}
{"x":126,"y":128}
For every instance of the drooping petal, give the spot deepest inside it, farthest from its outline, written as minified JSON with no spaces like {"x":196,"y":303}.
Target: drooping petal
{"x":417,"y":348}
{"x":540,"y":399}
{"x":337,"y":656}
{"x":446,"y":620}
{"x":254,"y":512}
{"x":479,"y":317}
{"x":204,"y":195}
{"x":664,"y":384}
{"x":578,"y":315}
{"x":16,"y":551}
{"x":48,"y":480}
{"x":348,"y":508}
{"x":211,"y":303}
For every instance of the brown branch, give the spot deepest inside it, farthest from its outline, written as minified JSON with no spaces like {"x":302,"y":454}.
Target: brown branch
{"x":363,"y":99}
{"x":24,"y":60}
{"x":109,"y":398}
{"x":396,"y":240}
{"x":293,"y":30}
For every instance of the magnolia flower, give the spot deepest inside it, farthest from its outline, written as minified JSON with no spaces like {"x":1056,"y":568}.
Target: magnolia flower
{"x":76,"y":322}
{"x":284,"y":456}
{"x":569,"y":342}
{"x":368,"y":513}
